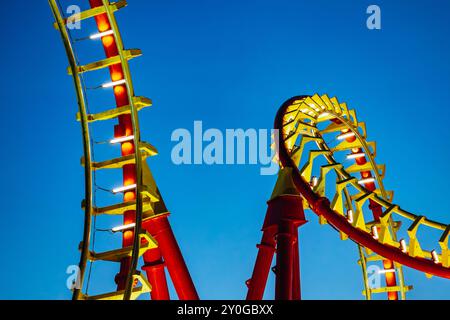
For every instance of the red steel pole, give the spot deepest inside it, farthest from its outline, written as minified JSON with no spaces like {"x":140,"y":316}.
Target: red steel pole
{"x":160,"y":229}
{"x":159,"y":226}
{"x":284,"y":216}
{"x":155,"y":269}
{"x":266,"y":250}
{"x":377,"y":211}
{"x":124,"y":128}
{"x":285,"y":260}
{"x":296,"y":293}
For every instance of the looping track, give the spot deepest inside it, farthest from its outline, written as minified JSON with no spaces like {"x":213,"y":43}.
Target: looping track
{"x":299,"y":121}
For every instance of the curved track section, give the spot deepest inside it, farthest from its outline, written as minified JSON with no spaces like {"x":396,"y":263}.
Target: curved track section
{"x":358,"y":191}
{"x":146,"y":232}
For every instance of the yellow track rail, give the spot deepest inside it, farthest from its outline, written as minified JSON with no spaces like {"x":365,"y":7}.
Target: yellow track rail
{"x":148,"y":195}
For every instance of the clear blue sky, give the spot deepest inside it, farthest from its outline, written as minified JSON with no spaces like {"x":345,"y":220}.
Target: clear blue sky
{"x":230,"y":64}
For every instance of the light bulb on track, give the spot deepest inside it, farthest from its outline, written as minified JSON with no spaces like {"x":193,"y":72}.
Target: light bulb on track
{"x":346,"y":135}
{"x":123,"y":228}
{"x":375,"y":232}
{"x":122,"y":139}
{"x":113,"y":84}
{"x":350,"y":216}
{"x":435,"y":256}
{"x":101,"y":35}
{"x":387,"y":271}
{"x":314,"y":182}
{"x":403,"y":246}
{"x":367,"y":180}
{"x":356,"y":155}
{"x":124,"y":188}
{"x":323,"y":115}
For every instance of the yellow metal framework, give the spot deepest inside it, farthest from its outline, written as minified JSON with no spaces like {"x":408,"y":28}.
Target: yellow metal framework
{"x":302,"y":129}
{"x":149,"y":202}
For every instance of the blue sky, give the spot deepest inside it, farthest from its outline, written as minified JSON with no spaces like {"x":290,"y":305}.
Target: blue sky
{"x":229,"y":64}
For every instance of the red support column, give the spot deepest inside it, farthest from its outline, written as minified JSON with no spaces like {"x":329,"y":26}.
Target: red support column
{"x":155,"y":269}
{"x":285,"y":260}
{"x":160,"y":229}
{"x":124,"y":128}
{"x":377,"y":211}
{"x":296,"y":293}
{"x":266,"y":250}
{"x":284,"y":216}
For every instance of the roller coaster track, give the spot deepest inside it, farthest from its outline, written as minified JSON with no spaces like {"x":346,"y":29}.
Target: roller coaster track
{"x":360,"y":208}
{"x":145,"y":231}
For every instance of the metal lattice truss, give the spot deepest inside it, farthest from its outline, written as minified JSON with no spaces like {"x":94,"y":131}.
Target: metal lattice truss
{"x":361,"y":209}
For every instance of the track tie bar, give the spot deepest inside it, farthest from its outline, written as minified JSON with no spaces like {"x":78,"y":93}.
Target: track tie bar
{"x":389,"y":289}
{"x":119,"y":254}
{"x":98,"y":65}
{"x":119,"y":295}
{"x":91,"y":13}
{"x":147,"y":151}
{"x":120,"y":208}
{"x":139,"y":102}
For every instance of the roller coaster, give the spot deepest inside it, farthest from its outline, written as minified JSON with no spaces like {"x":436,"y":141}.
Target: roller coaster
{"x":323,"y":153}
